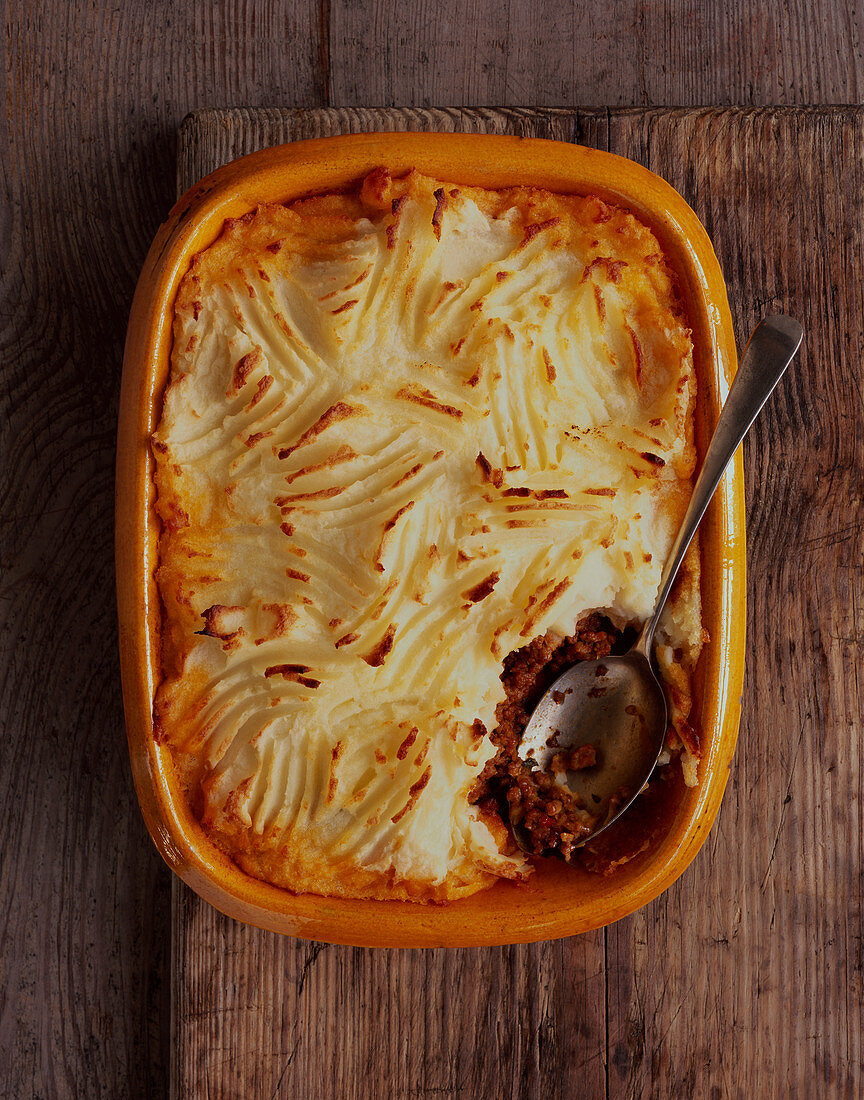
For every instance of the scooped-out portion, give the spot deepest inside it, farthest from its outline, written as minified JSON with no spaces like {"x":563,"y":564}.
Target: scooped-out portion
{"x":554,"y":820}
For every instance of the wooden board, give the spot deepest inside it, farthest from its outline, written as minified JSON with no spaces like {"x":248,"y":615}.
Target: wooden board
{"x":745,"y":979}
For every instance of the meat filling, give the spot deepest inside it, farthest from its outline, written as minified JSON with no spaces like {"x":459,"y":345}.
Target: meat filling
{"x":549,"y":815}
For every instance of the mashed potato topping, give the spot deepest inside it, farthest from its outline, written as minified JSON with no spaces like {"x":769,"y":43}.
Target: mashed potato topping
{"x":408,"y":429}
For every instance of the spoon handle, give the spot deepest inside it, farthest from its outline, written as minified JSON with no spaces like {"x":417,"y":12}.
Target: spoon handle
{"x":769,"y":352}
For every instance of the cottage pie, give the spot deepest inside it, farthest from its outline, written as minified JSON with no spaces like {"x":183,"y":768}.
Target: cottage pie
{"x":421,"y":446}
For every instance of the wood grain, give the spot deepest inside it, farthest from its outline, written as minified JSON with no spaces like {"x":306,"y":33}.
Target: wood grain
{"x":262,"y":1015}
{"x":93,"y":95}
{"x":766,"y":925}
{"x":92,"y":98}
{"x":612,"y":53}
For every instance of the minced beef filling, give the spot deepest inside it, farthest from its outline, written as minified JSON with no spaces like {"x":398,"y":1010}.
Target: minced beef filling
{"x":550,"y":816}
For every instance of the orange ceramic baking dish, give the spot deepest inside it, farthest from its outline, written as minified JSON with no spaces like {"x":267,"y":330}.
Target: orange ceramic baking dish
{"x":560,"y":900}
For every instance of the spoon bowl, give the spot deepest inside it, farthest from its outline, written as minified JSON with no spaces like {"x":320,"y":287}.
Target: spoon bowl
{"x":616,"y":705}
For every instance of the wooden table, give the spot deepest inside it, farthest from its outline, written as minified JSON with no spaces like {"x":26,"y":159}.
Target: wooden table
{"x":745,"y":979}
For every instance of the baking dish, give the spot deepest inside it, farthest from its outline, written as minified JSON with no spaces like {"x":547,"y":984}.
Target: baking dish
{"x":560,"y":900}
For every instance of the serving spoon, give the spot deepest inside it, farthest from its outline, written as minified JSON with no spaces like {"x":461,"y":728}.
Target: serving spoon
{"x":616,"y":704}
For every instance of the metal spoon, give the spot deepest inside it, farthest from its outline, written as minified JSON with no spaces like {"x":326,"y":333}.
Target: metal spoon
{"x":616,"y":704}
